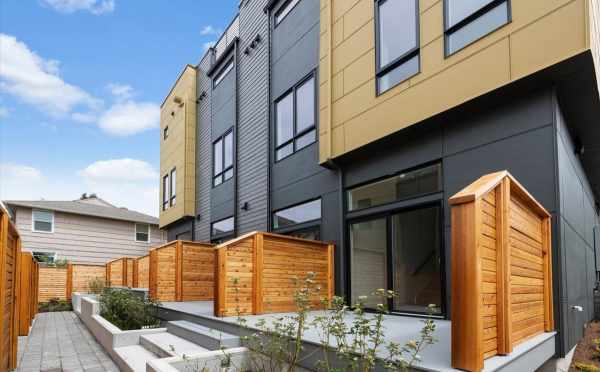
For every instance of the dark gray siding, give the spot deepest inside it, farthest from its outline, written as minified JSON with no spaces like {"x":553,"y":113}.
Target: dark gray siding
{"x":224,"y":115}
{"x":299,"y":177}
{"x":203,"y":153}
{"x":181,"y":230}
{"x":253,"y":123}
{"x":576,"y":219}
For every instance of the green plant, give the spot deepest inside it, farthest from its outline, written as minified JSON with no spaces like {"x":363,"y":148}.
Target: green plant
{"x":96,"y":286}
{"x":127,"y":310}
{"x":584,"y":367}
{"x":54,"y":305}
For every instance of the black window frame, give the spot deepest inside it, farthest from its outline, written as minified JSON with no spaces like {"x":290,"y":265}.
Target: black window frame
{"x":223,"y":72}
{"x":415,"y":52}
{"x":282,"y":8}
{"x":224,"y":170}
{"x":225,"y":233}
{"x":468,"y":20}
{"x":299,"y":225}
{"x":165,"y":198}
{"x":166,"y":133}
{"x":173,"y":190}
{"x":296,"y":135}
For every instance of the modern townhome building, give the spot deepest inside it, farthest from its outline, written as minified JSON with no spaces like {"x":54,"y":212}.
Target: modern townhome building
{"x":88,"y":230}
{"x":354,"y":121}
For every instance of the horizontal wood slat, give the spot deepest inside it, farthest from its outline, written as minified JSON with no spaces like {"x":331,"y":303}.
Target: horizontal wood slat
{"x":501,"y":270}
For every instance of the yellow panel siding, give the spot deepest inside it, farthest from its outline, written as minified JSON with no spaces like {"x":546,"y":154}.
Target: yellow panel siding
{"x":178,"y":151}
{"x":542,"y":33}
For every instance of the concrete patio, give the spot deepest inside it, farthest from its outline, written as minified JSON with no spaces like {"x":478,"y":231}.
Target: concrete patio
{"x":60,"y":341}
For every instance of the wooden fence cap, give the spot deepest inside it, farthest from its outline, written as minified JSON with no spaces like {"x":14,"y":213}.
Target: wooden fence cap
{"x":487,"y":183}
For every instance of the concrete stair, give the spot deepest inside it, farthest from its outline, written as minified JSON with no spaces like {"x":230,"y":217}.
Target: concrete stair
{"x":205,"y":337}
{"x":134,"y":358}
{"x":167,"y":345}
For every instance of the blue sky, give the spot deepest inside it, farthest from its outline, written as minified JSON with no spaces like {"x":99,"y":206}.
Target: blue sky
{"x":81,"y":82}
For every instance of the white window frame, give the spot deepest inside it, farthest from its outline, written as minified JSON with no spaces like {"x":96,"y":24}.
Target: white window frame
{"x":135,"y":232}
{"x":33,"y":221}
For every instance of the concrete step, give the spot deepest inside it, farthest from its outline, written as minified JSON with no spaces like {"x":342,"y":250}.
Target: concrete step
{"x":167,"y":345}
{"x":203,"y":336}
{"x":134,"y":358}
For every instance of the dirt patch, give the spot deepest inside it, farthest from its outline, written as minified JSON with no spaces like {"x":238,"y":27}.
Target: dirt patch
{"x":586,"y":353}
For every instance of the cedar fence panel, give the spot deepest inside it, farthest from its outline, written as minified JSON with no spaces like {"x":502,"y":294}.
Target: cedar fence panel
{"x":181,"y":271}
{"x":256,"y":273}
{"x":27,"y":292}
{"x":52,"y":283}
{"x":501,"y":270}
{"x":10,"y":252}
{"x":119,"y":272}
{"x":141,"y":272}
{"x":80,"y":275}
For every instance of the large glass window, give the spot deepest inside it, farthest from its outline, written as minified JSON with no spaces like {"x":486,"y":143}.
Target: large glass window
{"x":142,"y":232}
{"x":165,"y":187}
{"x":402,"y":186}
{"x":298,"y":214}
{"x":223,"y":227}
{"x":173,"y":186}
{"x":223,"y":158}
{"x":222,"y":74}
{"x":285,"y":10}
{"x":397,"y":42}
{"x":402,"y":252}
{"x":470,"y":20}
{"x":295,"y":119}
{"x":43,"y":221}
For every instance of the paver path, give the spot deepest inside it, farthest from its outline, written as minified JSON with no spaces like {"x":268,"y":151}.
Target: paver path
{"x":60,"y":341}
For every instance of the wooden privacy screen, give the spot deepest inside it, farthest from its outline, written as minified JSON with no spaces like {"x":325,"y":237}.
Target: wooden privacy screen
{"x":10,"y":252}
{"x":80,"y":275}
{"x":119,"y":273}
{"x":182,"y":271}
{"x":141,"y":272}
{"x":28,"y":305}
{"x":501,"y":270}
{"x":264,"y":265}
{"x":52,"y":283}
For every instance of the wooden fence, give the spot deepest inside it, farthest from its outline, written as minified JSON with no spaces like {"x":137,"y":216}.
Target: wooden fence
{"x":141,"y":272}
{"x":182,"y":271}
{"x":10,"y":251}
{"x":119,"y":273}
{"x":501,"y":270}
{"x":79,"y":277}
{"x":52,"y":283}
{"x":28,"y":292}
{"x":255,"y":273}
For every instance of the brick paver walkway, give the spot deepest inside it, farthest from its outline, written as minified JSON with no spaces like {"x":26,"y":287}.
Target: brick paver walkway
{"x":61,"y":342}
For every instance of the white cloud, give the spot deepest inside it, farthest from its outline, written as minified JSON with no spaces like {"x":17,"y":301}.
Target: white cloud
{"x":123,"y":170}
{"x":208,"y":45}
{"x":128,"y":118}
{"x":128,"y":183}
{"x":36,"y":81}
{"x":120,"y":91}
{"x":93,"y":6}
{"x":209,"y":30}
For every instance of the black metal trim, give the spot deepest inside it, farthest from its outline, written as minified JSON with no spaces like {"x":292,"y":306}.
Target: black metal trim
{"x":223,"y":168}
{"x":448,"y":30}
{"x":172,"y":195}
{"x":297,"y":205}
{"x":226,"y":65}
{"x":381,"y":71}
{"x":165,"y":204}
{"x":227,"y":233}
{"x":281,"y":7}
{"x":311,"y":75}
{"x":299,"y":227}
{"x":224,"y":56}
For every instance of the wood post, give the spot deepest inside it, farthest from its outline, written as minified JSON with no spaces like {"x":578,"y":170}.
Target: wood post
{"x":220,"y":293}
{"x":153,"y":274}
{"x":503,"y":290}
{"x":136,"y":279}
{"x":69,"y":281}
{"x":257,"y":274}
{"x":330,"y":272}
{"x":178,"y":271}
{"x":4,"y":328}
{"x":547,"y":264}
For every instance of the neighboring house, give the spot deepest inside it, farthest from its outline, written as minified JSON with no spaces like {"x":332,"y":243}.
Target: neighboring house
{"x":360,"y":134}
{"x":88,"y":230}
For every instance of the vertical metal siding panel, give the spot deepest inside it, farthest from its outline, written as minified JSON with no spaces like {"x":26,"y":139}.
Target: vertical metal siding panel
{"x":203,"y":153}
{"x":253,"y":121}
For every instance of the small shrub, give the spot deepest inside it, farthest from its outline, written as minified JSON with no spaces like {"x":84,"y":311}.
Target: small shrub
{"x":96,"y":286}
{"x":55,"y":305}
{"x":127,"y":310}
{"x":584,"y":367}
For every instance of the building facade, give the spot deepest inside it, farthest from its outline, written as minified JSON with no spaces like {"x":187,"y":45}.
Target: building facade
{"x":88,"y":230}
{"x":354,"y":121}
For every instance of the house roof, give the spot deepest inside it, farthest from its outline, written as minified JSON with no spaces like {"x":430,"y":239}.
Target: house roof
{"x":91,"y":206}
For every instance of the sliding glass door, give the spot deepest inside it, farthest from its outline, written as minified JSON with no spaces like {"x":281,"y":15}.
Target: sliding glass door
{"x":400,"y":251}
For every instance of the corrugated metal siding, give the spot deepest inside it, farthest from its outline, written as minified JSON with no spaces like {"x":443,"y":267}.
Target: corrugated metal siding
{"x":203,"y":153}
{"x":85,"y":239}
{"x":253,"y":121}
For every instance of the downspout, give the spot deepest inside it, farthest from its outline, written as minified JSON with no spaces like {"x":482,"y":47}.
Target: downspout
{"x":330,"y":83}
{"x":269,"y":124}
{"x":235,"y":141}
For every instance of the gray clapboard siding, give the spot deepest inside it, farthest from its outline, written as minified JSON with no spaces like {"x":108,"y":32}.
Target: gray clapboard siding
{"x":85,"y":239}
